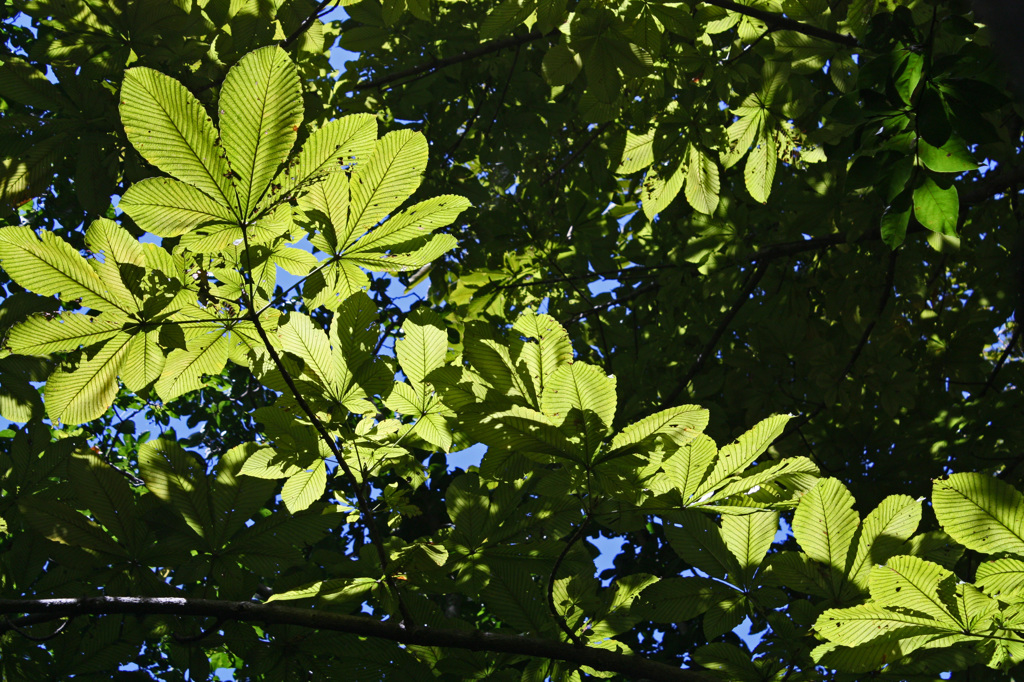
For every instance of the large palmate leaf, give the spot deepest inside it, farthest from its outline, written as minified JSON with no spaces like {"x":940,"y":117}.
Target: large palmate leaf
{"x":172,"y":130}
{"x":980,"y":512}
{"x":261,"y":110}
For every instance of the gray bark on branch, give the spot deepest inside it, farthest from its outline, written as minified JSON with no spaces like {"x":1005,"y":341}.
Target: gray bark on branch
{"x":43,"y":610}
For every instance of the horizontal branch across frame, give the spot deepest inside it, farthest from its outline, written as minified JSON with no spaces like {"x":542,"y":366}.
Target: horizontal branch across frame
{"x":44,"y":610}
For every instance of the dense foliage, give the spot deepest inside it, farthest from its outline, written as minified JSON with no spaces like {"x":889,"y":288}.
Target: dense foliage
{"x":693,"y":272}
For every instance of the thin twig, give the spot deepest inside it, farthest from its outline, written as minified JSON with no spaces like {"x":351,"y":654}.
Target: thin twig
{"x":306,"y":23}
{"x":576,"y":317}
{"x":1002,"y":359}
{"x":203,"y":634}
{"x":861,"y":344}
{"x":32,"y":638}
{"x":576,"y":152}
{"x":780,"y":22}
{"x":576,"y":639}
{"x":486,"y":48}
{"x":361,"y":501}
{"x":748,"y":288}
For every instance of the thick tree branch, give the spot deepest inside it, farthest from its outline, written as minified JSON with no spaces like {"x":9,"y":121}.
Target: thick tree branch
{"x":486,"y":48}
{"x":41,"y":610}
{"x":783,"y":23}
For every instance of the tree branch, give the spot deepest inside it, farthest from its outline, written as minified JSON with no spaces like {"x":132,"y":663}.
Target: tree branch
{"x":576,"y":317}
{"x":861,"y":343}
{"x":364,"y":506}
{"x":486,"y":48}
{"x":472,"y":640}
{"x":723,"y":326}
{"x":1002,"y":360}
{"x":306,"y":23}
{"x":780,"y":22}
{"x":551,"y":583}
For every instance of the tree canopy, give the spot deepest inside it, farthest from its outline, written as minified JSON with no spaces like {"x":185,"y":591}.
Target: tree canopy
{"x":539,"y":340}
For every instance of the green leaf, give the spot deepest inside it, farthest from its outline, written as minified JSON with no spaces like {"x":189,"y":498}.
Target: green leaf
{"x":267,"y":463}
{"x":388,"y":178}
{"x":505,"y":17}
{"x":335,"y":146}
{"x":681,"y":424}
{"x":895,"y":220}
{"x":176,"y":477}
{"x":235,"y":499}
{"x":545,"y":348}
{"x":423,"y":347}
{"x":690,"y":465}
{"x":517,"y":599}
{"x":144,"y":362}
{"x":581,"y":399}
{"x":301,"y":337}
{"x":107,"y":495}
{"x":561,"y":65}
{"x":60,"y":523}
{"x":759,"y":172}
{"x":738,"y":455}
{"x":329,"y":197}
{"x":45,"y":334}
{"x":207,"y":353}
{"x":657,"y":193}
{"x":261,"y":110}
{"x":824,"y":524}
{"x":1004,"y":577}
{"x":936,"y":208}
{"x":882,"y":535}
{"x":20,"y":82}
{"x":50,"y":266}
{"x":749,"y":536}
{"x":860,"y":624}
{"x":701,"y":181}
{"x":169,"y":208}
{"x":638,"y":152}
{"x":699,"y":541}
{"x":413,"y":223}
{"x":980,"y":512}
{"x":676,"y":600}
{"x":85,"y":386}
{"x":305,"y":487}
{"x":952,"y":157}
{"x":907,"y":582}
{"x":170,"y":128}
{"x":524,"y":430}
